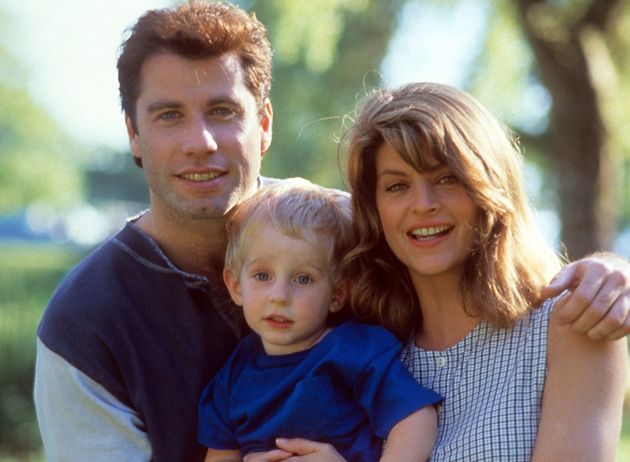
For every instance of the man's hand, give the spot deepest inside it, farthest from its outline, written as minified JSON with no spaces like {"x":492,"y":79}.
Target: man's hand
{"x":597,"y":298}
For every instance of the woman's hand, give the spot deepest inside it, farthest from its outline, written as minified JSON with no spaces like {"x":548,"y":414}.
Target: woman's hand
{"x":297,"y":450}
{"x":270,"y":456}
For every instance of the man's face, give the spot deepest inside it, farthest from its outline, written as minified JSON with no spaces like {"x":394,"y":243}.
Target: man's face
{"x":200,"y":136}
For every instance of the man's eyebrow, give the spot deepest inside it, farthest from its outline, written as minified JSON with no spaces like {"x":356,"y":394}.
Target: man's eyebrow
{"x":164,"y":104}
{"x":228,"y":99}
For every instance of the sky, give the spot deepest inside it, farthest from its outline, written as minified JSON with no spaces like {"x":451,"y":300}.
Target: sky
{"x":68,"y":52}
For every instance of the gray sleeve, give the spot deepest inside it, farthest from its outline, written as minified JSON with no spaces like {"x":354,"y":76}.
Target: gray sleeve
{"x":79,"y":419}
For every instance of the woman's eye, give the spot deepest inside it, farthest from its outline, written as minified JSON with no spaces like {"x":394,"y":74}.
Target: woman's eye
{"x":303,"y":279}
{"x":448,"y":179}
{"x":395,"y":187}
{"x":261,"y":276}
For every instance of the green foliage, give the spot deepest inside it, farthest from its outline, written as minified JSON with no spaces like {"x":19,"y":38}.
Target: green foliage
{"x":318,"y":76}
{"x":28,"y":276}
{"x":36,"y":164}
{"x":113,"y":176}
{"x":503,"y":73}
{"x":310,"y":31}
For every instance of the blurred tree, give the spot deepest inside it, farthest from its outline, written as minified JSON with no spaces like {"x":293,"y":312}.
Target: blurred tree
{"x":570,"y":57}
{"x":572,"y":42}
{"x":37,"y":162}
{"x":325,"y":55}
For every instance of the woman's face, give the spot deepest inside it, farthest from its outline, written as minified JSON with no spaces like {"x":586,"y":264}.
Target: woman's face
{"x":428,"y":218}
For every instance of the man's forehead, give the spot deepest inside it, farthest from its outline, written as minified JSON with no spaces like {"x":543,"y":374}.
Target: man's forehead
{"x":166,"y":76}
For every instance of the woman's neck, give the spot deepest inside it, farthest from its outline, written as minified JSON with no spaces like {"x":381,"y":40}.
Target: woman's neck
{"x":444,"y":320}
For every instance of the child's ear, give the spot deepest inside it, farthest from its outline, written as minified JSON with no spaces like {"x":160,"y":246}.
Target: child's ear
{"x":338,"y":299}
{"x":233,"y":285}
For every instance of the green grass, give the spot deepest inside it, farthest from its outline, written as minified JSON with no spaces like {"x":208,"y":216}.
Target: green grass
{"x":28,"y":276}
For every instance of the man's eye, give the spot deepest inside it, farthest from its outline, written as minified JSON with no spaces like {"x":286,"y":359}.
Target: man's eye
{"x":169,"y":115}
{"x":224,"y":112}
{"x":262,"y":276}
{"x":303,"y":279}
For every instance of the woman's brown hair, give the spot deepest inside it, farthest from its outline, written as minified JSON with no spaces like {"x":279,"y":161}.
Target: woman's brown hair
{"x":510,"y":261}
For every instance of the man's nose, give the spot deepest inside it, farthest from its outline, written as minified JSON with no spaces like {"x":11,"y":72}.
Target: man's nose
{"x":200,"y":138}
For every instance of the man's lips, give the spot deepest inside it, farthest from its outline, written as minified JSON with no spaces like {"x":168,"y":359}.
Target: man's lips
{"x":200,"y":176}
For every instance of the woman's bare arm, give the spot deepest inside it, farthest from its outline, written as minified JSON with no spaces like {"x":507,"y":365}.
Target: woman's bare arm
{"x":583,"y":397}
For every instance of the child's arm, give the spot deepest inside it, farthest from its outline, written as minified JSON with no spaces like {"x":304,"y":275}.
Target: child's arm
{"x":412,"y":438}
{"x":223,"y":455}
{"x":582,"y":399}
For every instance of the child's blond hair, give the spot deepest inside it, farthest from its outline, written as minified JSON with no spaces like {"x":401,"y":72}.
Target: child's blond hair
{"x":299,"y":209}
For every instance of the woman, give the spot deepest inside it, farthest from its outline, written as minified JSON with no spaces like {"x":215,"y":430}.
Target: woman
{"x":438,"y":196}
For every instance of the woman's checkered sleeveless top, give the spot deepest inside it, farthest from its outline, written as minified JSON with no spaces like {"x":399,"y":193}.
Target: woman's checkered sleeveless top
{"x":492,"y":382}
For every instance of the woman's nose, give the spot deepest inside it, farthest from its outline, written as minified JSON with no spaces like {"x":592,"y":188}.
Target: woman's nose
{"x":424,"y":199}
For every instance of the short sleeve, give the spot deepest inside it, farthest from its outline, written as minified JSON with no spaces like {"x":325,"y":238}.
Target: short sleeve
{"x":383,"y":385}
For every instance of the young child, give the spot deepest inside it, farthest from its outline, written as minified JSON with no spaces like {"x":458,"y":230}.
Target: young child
{"x":297,"y":374}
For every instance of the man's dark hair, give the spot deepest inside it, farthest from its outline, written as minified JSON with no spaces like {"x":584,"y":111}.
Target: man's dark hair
{"x":195,"y":30}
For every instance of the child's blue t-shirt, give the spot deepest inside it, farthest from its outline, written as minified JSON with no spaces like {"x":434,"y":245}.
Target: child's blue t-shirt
{"x":348,"y":390}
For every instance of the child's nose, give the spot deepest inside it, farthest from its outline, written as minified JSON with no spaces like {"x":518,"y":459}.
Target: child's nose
{"x":279,"y":293}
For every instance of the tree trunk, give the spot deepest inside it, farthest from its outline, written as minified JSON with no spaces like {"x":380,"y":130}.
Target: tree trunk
{"x":572,"y":59}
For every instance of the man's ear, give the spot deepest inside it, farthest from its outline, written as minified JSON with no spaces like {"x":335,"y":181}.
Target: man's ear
{"x":266,"y":127}
{"x":133,"y":141}
{"x":233,"y":285}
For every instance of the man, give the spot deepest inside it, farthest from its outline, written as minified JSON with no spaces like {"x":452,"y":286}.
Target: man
{"x":133,"y":334}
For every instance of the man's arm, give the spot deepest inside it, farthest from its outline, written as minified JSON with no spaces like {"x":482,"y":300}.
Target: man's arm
{"x":597,"y":298}
{"x":79,"y":419}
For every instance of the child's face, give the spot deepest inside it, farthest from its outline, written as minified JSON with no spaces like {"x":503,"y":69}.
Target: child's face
{"x":285,"y":290}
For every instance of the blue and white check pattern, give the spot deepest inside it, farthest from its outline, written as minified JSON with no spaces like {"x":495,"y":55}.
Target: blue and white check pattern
{"x":492,"y":382}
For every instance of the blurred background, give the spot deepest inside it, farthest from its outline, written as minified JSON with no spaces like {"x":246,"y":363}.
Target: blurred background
{"x":557,"y":72}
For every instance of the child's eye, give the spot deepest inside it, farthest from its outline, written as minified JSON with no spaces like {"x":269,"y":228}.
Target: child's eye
{"x":262,"y":276}
{"x":303,"y":279}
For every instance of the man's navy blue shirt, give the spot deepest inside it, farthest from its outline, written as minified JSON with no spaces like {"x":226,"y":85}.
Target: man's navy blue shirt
{"x":149,"y":333}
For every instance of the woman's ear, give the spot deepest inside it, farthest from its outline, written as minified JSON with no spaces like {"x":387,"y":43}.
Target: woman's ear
{"x":233,"y":285}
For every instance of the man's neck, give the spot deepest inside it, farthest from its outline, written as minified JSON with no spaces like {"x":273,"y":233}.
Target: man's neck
{"x":193,"y":245}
